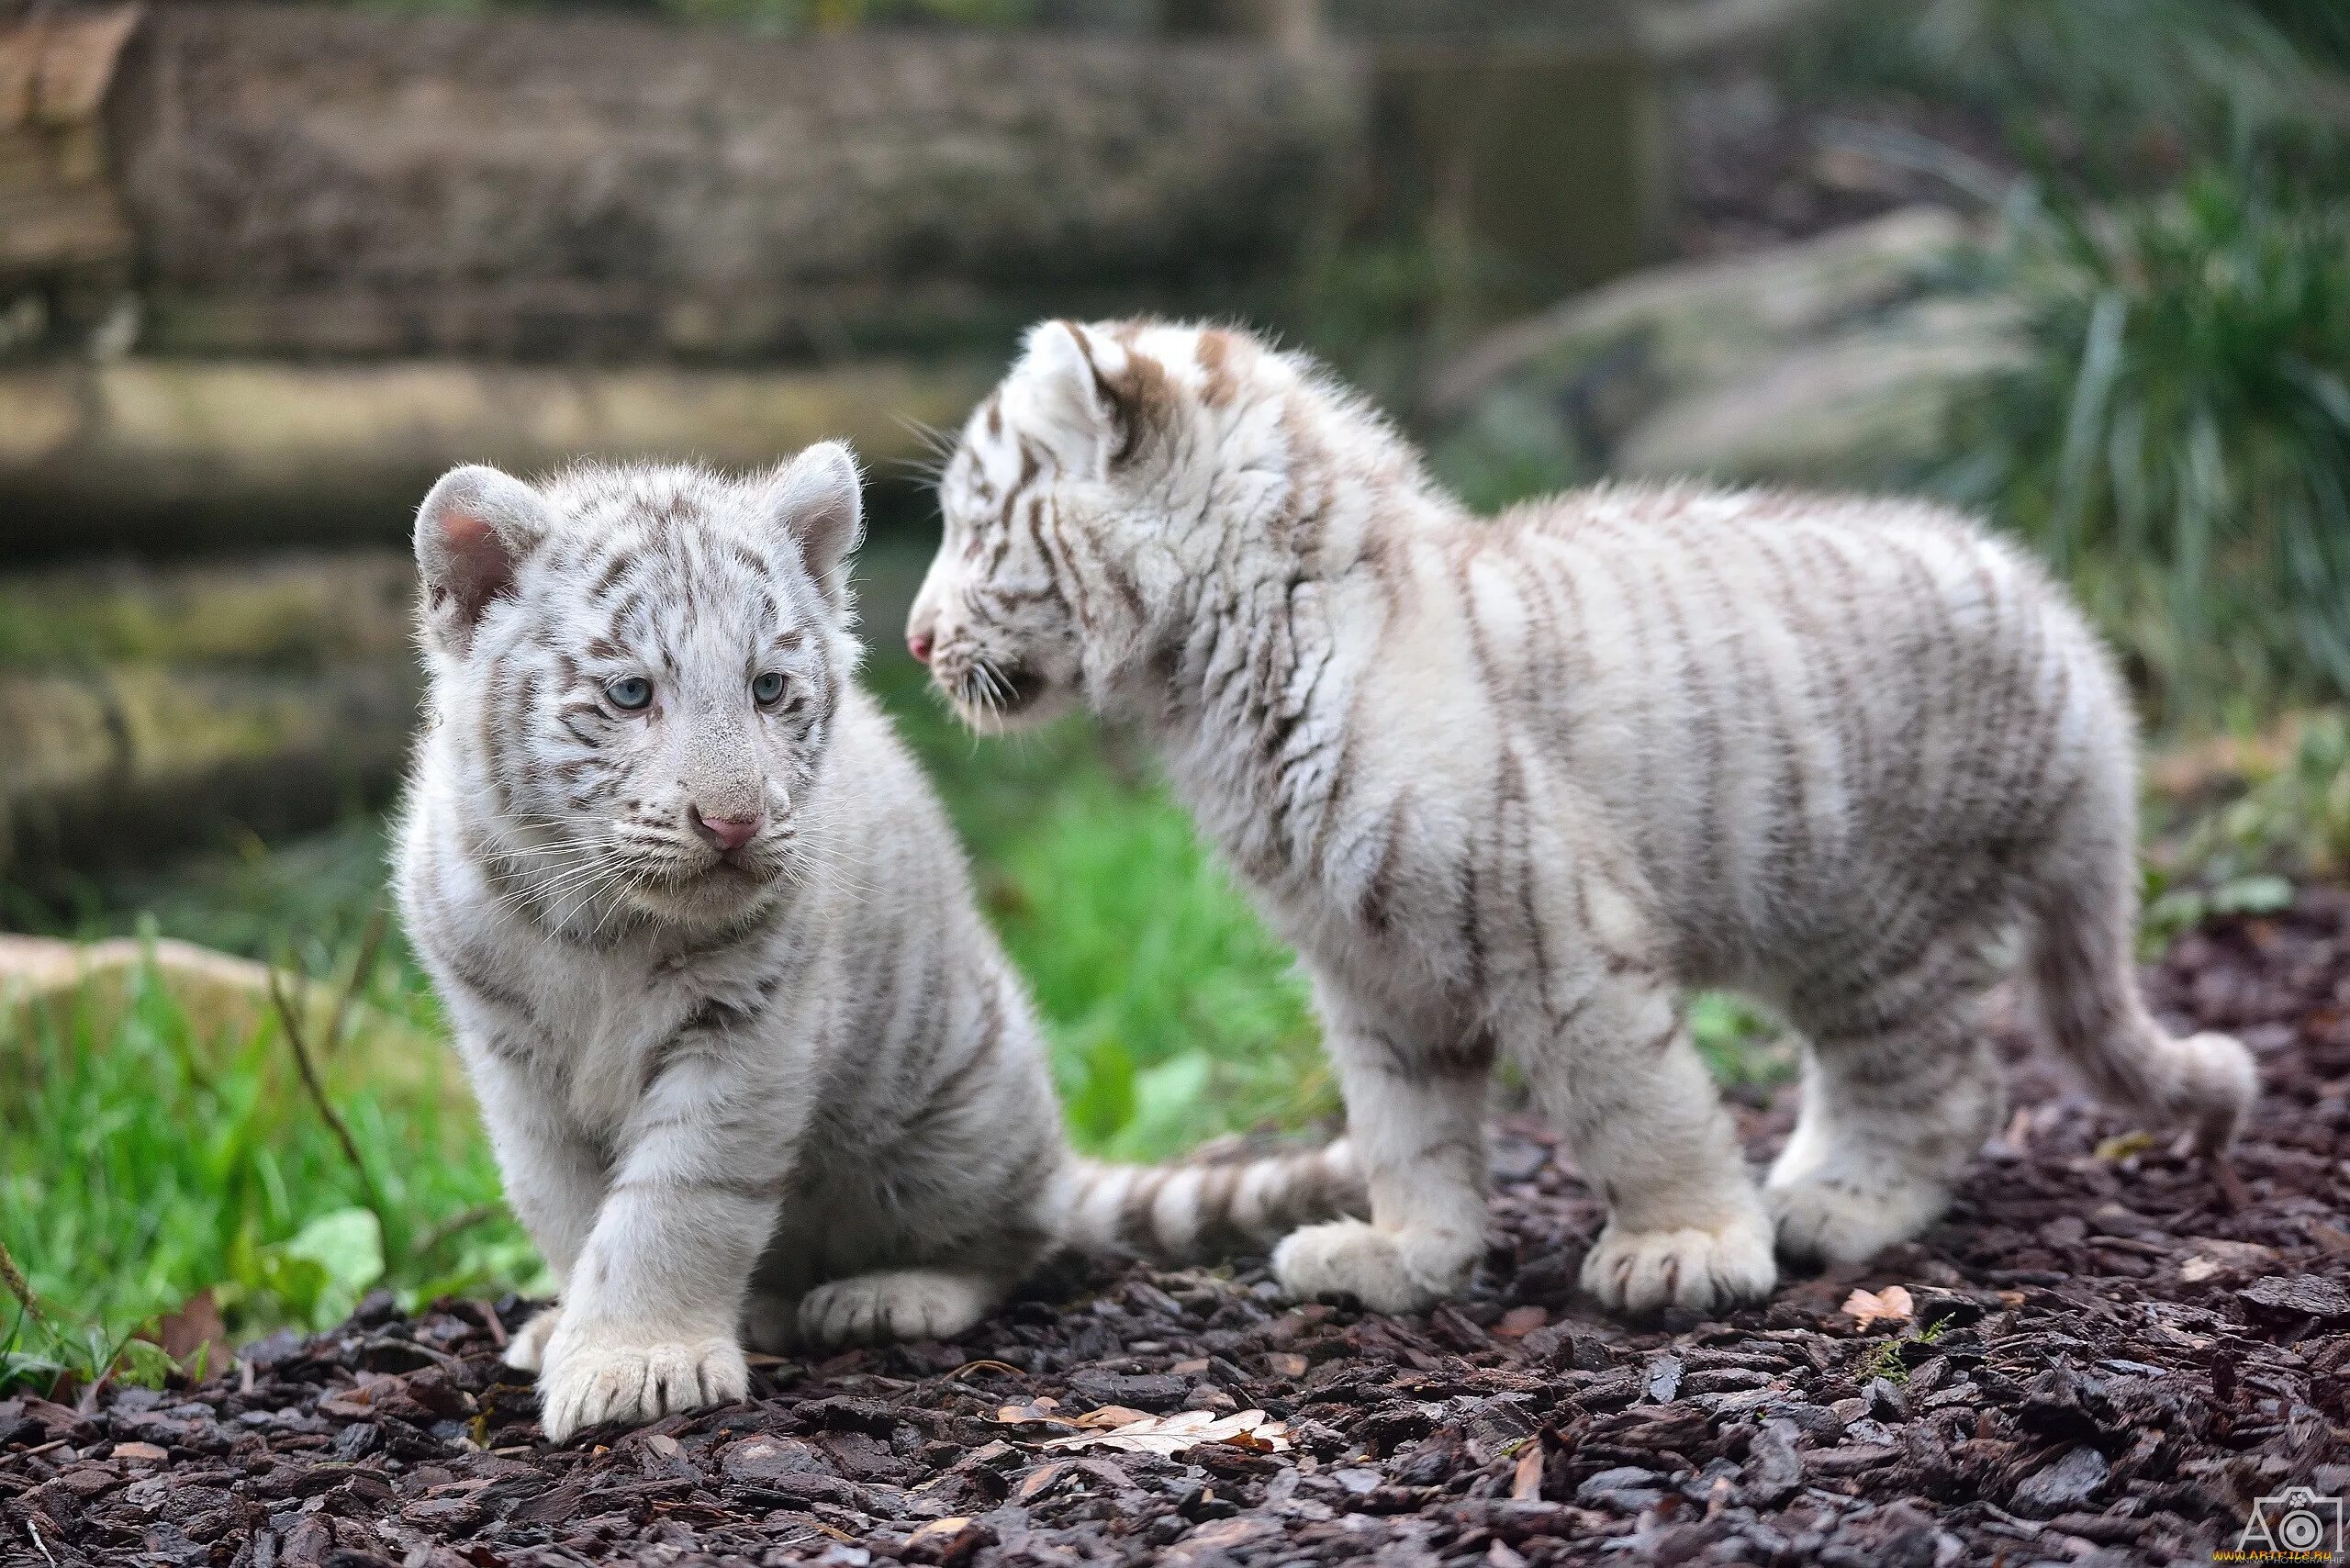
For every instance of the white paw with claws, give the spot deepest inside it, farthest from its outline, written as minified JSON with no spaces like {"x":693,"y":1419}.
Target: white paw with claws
{"x":1386,"y":1270}
{"x":1825,"y":1218}
{"x":1638,"y":1271}
{"x":909,"y":1304}
{"x":588,"y":1381}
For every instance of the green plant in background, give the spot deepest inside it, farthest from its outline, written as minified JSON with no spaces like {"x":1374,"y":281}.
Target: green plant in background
{"x":2239,"y":856}
{"x":2319,"y":28}
{"x":2179,"y":441}
{"x":2116,"y":85}
{"x":141,"y":1164}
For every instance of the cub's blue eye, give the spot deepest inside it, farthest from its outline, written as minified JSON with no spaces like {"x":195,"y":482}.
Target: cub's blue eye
{"x":767,"y":689}
{"x":629,"y":693}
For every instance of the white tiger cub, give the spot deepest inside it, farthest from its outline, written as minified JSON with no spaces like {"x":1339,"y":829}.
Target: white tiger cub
{"x":1512,"y":785}
{"x":752,"y":1063}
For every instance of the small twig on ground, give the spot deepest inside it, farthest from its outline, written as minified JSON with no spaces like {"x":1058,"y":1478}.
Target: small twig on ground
{"x":19,"y":1287}
{"x":290,"y":1021}
{"x":497,"y":1336}
{"x":370,"y":943}
{"x":42,"y":1544}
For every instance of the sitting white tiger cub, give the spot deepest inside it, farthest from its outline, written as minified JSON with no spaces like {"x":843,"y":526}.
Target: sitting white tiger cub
{"x":753,"y":1064}
{"x":1512,"y":785}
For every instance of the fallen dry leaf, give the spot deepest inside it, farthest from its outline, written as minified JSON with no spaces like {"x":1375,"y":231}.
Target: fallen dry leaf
{"x":1892,"y":1304}
{"x":1166,"y":1434}
{"x":1110,"y":1415}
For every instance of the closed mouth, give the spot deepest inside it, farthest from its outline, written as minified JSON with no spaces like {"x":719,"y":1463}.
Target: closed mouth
{"x":747,"y":863}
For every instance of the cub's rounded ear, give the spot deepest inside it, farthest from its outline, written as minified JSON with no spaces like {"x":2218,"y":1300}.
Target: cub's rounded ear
{"x":817,"y":500}
{"x":471,"y":532}
{"x":1089,"y":393}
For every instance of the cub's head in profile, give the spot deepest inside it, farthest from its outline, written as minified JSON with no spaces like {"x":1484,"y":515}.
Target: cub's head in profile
{"x":1086,"y":499}
{"x":636,"y":672}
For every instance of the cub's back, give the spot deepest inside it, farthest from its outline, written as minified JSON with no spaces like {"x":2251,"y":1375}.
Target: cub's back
{"x":1780,"y":700}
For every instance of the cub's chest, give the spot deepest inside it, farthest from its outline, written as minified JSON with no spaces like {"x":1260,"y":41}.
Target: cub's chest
{"x":602,"y":1027}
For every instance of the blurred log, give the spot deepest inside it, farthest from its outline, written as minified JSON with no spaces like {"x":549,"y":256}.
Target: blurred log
{"x":294,"y":613}
{"x":149,"y":708}
{"x":107,"y":766}
{"x":356,"y":183}
{"x":65,"y":247}
{"x":184,"y":455}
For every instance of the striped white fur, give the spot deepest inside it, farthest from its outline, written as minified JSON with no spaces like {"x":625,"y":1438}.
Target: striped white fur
{"x":784,"y":1089}
{"x":1512,"y":785}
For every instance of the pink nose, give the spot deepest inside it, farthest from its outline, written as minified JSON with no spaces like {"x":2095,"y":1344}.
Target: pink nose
{"x":918,"y":645}
{"x":731,"y":833}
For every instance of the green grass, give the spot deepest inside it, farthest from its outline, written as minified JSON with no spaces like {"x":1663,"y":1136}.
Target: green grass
{"x":141,"y":1164}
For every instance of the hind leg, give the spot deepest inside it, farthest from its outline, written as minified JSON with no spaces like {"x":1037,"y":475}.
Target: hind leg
{"x":1899,"y":1090}
{"x":897,"y":1303}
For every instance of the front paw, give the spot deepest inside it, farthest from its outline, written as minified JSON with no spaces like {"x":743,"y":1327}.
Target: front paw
{"x":527,"y":1351}
{"x":1638,"y":1271}
{"x":1387,"y":1271}
{"x":588,"y":1381}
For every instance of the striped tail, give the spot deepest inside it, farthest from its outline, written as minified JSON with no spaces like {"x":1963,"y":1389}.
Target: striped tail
{"x":1211,"y":1205}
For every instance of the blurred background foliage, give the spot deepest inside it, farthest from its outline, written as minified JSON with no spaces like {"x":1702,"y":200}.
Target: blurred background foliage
{"x":2081,"y":266}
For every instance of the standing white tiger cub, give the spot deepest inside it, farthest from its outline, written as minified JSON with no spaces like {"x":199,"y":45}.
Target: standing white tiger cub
{"x":752,"y":1063}
{"x":1512,"y":785}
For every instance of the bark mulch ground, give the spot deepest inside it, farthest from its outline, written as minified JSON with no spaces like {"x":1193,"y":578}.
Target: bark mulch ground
{"x":2111,"y":1353}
